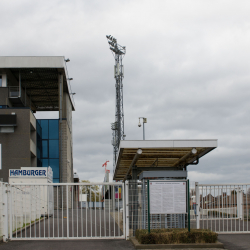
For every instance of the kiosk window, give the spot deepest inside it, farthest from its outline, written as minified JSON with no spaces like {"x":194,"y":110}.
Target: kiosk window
{"x":0,"y":81}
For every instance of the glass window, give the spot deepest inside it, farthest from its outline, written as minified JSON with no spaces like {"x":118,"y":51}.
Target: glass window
{"x":39,"y":162}
{"x":53,"y":149}
{"x":45,"y":129}
{"x":53,"y":129}
{"x":54,"y":164}
{"x":55,"y":180}
{"x":48,"y":145}
{"x":45,"y":148}
{"x":0,"y":81}
{"x":45,"y":162}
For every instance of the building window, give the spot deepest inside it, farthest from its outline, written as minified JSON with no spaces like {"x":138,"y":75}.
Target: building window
{"x":48,"y":146}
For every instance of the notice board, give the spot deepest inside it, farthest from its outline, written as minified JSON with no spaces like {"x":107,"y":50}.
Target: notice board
{"x":167,"y":197}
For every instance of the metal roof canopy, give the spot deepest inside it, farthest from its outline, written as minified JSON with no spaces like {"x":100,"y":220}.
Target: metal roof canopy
{"x":39,"y":77}
{"x":151,"y":155}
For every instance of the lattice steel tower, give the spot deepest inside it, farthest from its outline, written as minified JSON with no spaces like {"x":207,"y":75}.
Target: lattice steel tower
{"x":117,"y":127}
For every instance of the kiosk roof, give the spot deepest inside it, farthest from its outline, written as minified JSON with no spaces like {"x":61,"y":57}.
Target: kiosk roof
{"x":150,"y":155}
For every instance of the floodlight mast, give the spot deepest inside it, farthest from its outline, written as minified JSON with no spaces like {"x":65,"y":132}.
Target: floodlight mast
{"x":117,"y":127}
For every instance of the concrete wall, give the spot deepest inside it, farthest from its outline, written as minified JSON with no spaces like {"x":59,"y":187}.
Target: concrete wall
{"x":66,"y":167}
{"x":4,"y":97}
{"x":16,"y":146}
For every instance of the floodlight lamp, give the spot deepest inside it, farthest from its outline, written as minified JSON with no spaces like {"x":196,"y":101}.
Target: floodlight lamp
{"x":72,"y":93}
{"x":194,"y":151}
{"x":70,"y":79}
{"x":67,"y":60}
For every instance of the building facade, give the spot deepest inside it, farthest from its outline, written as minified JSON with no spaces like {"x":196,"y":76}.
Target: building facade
{"x":29,"y":85}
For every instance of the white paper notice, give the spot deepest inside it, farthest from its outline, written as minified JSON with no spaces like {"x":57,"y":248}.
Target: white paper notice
{"x":167,"y":197}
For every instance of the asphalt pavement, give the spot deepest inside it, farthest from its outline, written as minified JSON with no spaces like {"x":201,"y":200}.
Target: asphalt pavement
{"x":235,"y":241}
{"x":230,"y":241}
{"x":68,"y":245}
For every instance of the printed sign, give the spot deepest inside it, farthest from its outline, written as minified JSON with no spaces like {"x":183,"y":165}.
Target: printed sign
{"x":167,"y":197}
{"x":31,"y":172}
{"x":118,"y":193}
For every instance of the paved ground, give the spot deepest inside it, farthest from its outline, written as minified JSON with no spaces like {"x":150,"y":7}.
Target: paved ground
{"x":75,"y":223}
{"x":230,"y":241}
{"x":235,"y":241}
{"x":68,"y":244}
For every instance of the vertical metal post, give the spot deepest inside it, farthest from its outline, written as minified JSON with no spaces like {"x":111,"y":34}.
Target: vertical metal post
{"x":188,"y":206}
{"x":143,"y":130}
{"x":67,"y":202}
{"x":126,"y":210}
{"x":197,"y":201}
{"x":148,"y":208}
{"x":5,"y":213}
{"x":10,"y":211}
{"x":20,"y":86}
{"x":60,"y":116}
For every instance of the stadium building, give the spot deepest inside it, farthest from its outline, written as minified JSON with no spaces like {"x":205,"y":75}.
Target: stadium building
{"x":29,"y":85}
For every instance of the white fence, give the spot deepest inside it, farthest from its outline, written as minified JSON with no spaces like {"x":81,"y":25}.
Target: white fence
{"x":53,"y":211}
{"x":223,"y":208}
{"x":26,"y":205}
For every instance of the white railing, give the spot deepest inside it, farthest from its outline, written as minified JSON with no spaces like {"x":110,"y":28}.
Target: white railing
{"x":53,"y":211}
{"x":224,"y":208}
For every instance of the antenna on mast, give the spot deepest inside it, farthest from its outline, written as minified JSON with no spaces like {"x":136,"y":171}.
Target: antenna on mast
{"x":117,"y":127}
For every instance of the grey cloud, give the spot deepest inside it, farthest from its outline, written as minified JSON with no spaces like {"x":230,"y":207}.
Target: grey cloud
{"x":186,"y":70}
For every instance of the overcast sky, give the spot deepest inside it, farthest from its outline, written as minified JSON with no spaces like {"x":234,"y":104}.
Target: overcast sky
{"x":186,"y":70}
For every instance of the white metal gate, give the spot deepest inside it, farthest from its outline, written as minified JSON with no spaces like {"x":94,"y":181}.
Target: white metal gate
{"x":64,"y":211}
{"x":223,"y":208}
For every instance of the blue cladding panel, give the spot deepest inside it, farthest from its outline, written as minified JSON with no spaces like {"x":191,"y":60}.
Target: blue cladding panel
{"x":53,"y":129}
{"x":45,"y":129}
